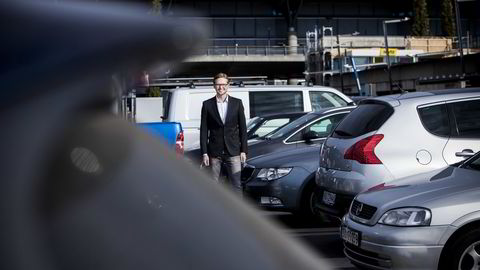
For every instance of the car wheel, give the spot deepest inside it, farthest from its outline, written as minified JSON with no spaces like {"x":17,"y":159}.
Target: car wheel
{"x":465,"y":252}
{"x":307,"y":209}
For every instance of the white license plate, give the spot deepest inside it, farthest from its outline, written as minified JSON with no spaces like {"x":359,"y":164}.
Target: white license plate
{"x":350,"y":236}
{"x":328,"y":198}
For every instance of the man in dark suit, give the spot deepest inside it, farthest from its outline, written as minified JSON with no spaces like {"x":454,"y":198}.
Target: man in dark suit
{"x":223,"y":133}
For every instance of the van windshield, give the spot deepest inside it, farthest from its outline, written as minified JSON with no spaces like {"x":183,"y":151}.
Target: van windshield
{"x":166,"y":103}
{"x":294,"y":125}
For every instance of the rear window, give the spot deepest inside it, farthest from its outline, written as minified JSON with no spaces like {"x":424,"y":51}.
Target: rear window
{"x":435,"y":119}
{"x":294,"y":125}
{"x":362,"y":120}
{"x":467,"y":117}
{"x":253,"y":122}
{"x":321,"y":100}
{"x":262,"y":103}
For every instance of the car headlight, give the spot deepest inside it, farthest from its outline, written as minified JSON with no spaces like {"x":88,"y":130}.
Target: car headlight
{"x":269,"y":174}
{"x":410,"y":216}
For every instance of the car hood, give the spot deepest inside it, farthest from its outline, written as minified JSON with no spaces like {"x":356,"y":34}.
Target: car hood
{"x":451,"y":189}
{"x":448,"y":194}
{"x":306,"y":157}
{"x":260,"y":147}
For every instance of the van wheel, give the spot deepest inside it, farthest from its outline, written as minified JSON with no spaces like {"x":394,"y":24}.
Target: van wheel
{"x":464,"y":252}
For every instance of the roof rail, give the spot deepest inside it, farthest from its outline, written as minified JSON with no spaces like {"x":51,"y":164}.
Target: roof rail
{"x":207,"y":81}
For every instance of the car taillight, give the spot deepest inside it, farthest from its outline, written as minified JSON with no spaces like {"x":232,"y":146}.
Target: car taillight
{"x":363,"y":150}
{"x":179,"y":143}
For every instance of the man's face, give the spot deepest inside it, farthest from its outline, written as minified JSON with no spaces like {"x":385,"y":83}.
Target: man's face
{"x":221,"y":86}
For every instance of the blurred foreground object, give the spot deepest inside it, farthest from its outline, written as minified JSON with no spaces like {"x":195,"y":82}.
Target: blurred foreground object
{"x":83,"y":189}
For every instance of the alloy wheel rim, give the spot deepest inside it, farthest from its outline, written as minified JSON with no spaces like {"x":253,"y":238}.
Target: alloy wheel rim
{"x":470,"y":258}
{"x":311,"y":202}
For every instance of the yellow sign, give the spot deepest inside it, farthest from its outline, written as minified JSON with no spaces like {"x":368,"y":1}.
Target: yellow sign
{"x":391,"y":52}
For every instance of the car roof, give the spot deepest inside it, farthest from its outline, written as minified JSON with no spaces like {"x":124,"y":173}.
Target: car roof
{"x":235,"y":88}
{"x":333,"y":110}
{"x":280,"y":115}
{"x":425,"y":97}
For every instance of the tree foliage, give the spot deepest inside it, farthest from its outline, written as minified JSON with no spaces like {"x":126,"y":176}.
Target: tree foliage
{"x":448,"y":19}
{"x":154,"y":91}
{"x":156,"y":6}
{"x":420,"y":25}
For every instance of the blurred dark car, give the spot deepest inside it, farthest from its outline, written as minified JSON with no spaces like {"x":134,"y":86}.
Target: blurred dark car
{"x":260,"y":126}
{"x":83,"y":188}
{"x":309,"y":130}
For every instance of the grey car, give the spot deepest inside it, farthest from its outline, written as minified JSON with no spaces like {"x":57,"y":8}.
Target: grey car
{"x":434,"y":224}
{"x":307,"y":130}
{"x":262,"y":125}
{"x":283,"y":181}
{"x":310,"y":129}
{"x":391,"y":137}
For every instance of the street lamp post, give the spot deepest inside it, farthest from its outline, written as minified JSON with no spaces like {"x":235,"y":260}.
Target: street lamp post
{"x":386,"y":47}
{"x":341,"y":63}
{"x":459,"y":32}
{"x":341,"y":58}
{"x":459,"y":35}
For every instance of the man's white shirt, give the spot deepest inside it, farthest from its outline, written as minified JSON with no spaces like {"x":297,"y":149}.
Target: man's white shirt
{"x":222,"y":108}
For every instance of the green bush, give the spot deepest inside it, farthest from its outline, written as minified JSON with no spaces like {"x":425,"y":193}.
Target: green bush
{"x":154,"y":91}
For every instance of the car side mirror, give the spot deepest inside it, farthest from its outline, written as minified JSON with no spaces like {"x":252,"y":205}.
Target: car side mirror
{"x":310,"y":136}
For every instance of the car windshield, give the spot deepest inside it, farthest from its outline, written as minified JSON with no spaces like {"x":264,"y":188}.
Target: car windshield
{"x":291,"y":126}
{"x":473,"y":163}
{"x":254,"y":121}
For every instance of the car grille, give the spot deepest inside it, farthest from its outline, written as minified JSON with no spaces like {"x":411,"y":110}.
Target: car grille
{"x":364,"y":257}
{"x":361,"y":210}
{"x":247,"y":173}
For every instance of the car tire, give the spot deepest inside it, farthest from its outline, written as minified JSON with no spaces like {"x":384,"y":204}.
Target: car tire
{"x":464,"y":252}
{"x":307,"y":211}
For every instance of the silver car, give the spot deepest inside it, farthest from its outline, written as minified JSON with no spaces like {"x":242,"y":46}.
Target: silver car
{"x":431,"y":225}
{"x":392,"y":137}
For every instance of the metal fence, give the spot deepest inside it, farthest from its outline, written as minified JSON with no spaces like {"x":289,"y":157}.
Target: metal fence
{"x":254,"y":50}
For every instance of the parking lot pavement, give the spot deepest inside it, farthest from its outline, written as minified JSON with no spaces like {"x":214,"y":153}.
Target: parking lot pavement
{"x":322,"y":237}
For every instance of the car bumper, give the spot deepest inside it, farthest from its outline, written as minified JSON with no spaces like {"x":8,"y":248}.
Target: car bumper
{"x":336,"y":208}
{"x":351,"y":182}
{"x":389,"y":247}
{"x":282,"y":194}
{"x":344,"y":186}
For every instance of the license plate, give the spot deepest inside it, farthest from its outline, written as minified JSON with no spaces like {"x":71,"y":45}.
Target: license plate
{"x":328,"y":198}
{"x":350,"y":236}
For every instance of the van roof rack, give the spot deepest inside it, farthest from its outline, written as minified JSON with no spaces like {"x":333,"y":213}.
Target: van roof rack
{"x":207,"y":81}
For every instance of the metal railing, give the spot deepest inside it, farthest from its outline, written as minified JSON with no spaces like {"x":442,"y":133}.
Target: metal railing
{"x":246,"y":50}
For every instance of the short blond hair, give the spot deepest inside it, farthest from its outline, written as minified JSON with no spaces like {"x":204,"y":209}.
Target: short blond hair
{"x":221,"y":75}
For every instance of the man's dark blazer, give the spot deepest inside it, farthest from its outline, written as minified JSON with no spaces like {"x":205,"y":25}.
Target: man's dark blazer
{"x":216,"y":136}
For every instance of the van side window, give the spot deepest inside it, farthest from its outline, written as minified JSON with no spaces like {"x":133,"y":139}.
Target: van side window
{"x":321,"y":100}
{"x":435,"y":119}
{"x":268,"y":102}
{"x":467,"y":116}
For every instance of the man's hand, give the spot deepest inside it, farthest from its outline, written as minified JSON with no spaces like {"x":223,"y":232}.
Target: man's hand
{"x":206,"y":160}
{"x":243,"y":157}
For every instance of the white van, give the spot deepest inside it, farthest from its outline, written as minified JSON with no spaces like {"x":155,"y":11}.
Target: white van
{"x":184,"y":104}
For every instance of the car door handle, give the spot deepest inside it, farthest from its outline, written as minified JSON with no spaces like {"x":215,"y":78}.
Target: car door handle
{"x":465,"y":153}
